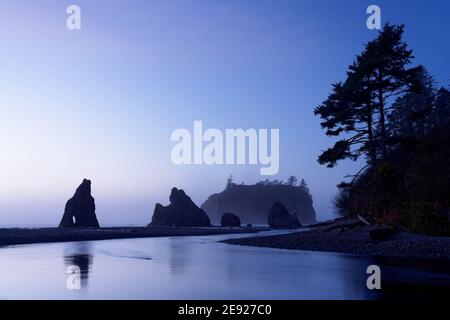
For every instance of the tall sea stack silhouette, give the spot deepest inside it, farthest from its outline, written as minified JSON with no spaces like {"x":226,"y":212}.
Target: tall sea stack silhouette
{"x":80,"y":209}
{"x":181,"y":212}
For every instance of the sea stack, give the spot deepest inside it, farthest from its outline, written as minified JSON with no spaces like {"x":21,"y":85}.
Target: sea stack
{"x":279,"y":217}
{"x":230,"y":220}
{"x":252,"y":202}
{"x":181,"y":212}
{"x":80,"y":209}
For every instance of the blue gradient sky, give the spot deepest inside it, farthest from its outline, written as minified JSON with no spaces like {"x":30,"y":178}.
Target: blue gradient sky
{"x":102,"y":102}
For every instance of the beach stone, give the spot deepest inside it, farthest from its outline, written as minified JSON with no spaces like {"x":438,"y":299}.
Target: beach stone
{"x":181,"y":212}
{"x":279,"y":217}
{"x":230,"y":220}
{"x":80,"y":209}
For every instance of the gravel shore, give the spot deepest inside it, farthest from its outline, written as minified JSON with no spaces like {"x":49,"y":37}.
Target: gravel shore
{"x":28,"y":236}
{"x":357,"y":241}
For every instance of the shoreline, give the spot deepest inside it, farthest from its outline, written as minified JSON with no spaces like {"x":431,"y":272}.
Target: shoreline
{"x":22,"y":236}
{"x":400,"y":246}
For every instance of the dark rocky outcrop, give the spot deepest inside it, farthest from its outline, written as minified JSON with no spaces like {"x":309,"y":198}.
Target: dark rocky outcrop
{"x":252,"y":203}
{"x":181,"y":212}
{"x":230,"y":220}
{"x":279,"y":217}
{"x":381,"y":233}
{"x":80,"y":209}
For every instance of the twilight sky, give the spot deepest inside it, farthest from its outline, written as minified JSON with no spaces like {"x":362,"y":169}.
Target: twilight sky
{"x":102,"y":102}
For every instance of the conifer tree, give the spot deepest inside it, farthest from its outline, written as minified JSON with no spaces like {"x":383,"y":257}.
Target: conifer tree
{"x":356,"y":109}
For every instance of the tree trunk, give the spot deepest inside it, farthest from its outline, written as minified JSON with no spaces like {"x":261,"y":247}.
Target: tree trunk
{"x":382,"y":115}
{"x":372,"y":149}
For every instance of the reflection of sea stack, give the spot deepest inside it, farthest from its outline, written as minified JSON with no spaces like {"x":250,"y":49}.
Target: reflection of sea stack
{"x":83,"y":262}
{"x":181,"y":212}
{"x":80,"y":209}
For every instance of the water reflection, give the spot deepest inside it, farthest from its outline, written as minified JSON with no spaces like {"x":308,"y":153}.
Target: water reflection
{"x":202,"y":268}
{"x":179,"y":253}
{"x":80,"y":255}
{"x":413,"y":279}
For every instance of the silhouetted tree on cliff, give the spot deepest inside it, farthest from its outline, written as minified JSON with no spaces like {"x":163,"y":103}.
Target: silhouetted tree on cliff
{"x":356,"y":109}
{"x":230,"y":182}
{"x":392,"y":115}
{"x":442,"y":108}
{"x":411,"y":115}
{"x":292,"y":181}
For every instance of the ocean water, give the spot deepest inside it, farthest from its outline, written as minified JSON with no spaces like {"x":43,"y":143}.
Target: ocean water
{"x":203,"y":268}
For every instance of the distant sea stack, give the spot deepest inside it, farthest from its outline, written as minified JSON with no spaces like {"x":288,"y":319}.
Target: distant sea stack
{"x":279,"y":217}
{"x":230,"y":220}
{"x":80,"y":209}
{"x":252,"y":203}
{"x":181,"y":212}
